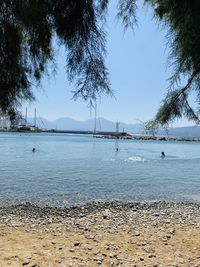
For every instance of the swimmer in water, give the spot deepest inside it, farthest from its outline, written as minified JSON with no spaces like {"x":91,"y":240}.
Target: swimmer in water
{"x":162,"y":154}
{"x":117,"y":149}
{"x":33,"y":149}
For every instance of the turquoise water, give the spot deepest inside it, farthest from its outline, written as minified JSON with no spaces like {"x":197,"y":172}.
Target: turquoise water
{"x":67,"y":169}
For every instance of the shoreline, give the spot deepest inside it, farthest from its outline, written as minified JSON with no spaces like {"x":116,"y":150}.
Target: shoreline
{"x":31,"y":212}
{"x":150,"y":138}
{"x":113,"y":135}
{"x":114,"y":233}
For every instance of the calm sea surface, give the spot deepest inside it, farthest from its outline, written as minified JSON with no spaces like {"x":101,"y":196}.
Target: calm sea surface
{"x":67,"y":169}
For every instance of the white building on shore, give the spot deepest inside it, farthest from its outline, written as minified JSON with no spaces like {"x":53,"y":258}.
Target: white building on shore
{"x":4,"y":122}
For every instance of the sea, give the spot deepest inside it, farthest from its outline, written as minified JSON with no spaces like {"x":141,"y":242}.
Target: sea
{"x":74,"y":169}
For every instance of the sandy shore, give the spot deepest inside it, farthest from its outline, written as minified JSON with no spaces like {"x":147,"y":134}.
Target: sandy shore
{"x":101,"y":234}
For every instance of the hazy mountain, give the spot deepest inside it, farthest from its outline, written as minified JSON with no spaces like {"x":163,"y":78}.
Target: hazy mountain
{"x":190,"y":131}
{"x":88,"y":125}
{"x":106,"y":125}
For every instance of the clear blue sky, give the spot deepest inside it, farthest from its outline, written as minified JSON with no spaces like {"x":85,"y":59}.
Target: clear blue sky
{"x":137,"y":62}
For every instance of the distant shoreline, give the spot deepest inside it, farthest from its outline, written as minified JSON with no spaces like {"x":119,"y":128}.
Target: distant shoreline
{"x":111,"y":135}
{"x":150,"y":138}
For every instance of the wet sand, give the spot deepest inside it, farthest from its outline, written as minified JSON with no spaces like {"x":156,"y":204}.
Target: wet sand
{"x":101,"y":234}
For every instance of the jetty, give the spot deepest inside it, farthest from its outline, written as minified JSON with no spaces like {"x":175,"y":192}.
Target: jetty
{"x":96,"y":133}
{"x":126,"y":136}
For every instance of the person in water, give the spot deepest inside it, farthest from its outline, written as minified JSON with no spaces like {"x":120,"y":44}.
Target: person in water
{"x":162,"y":154}
{"x":33,"y":149}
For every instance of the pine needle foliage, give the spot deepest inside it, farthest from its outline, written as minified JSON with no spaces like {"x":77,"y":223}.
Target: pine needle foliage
{"x":27,"y":28}
{"x":182,"y":18}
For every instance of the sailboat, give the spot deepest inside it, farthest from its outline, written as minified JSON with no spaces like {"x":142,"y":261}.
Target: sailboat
{"x":29,"y":128}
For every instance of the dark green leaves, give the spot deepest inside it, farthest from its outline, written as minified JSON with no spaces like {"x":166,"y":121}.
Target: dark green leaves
{"x":182,"y":18}
{"x":27,"y":28}
{"x":127,"y":13}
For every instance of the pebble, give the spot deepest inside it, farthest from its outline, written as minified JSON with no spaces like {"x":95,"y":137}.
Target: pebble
{"x":137,"y":233}
{"x":77,"y":244}
{"x":88,"y":247}
{"x":26,"y":261}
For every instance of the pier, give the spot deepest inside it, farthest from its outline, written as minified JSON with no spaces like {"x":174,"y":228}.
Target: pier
{"x":85,"y":132}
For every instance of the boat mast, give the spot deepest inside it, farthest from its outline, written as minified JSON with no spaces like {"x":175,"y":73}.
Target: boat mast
{"x":35,"y":118}
{"x":117,"y":137}
{"x":26,"y":117}
{"x":117,"y":127}
{"x":95,"y":117}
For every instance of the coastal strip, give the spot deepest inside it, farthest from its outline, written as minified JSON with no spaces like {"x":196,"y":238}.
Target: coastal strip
{"x":148,"y":138}
{"x":101,"y":234}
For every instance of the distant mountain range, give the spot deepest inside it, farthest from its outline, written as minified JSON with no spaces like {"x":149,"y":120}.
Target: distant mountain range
{"x":106,"y":125}
{"x":189,"y":131}
{"x":88,"y":125}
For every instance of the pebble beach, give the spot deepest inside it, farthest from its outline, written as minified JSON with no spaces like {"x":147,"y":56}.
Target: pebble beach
{"x":101,"y":234}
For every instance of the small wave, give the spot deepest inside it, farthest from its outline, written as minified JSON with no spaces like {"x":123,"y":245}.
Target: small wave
{"x":195,"y":197}
{"x":136,"y":159}
{"x":111,"y":159}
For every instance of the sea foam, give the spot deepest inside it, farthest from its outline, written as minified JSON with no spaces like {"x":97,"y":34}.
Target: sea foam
{"x":136,"y":159}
